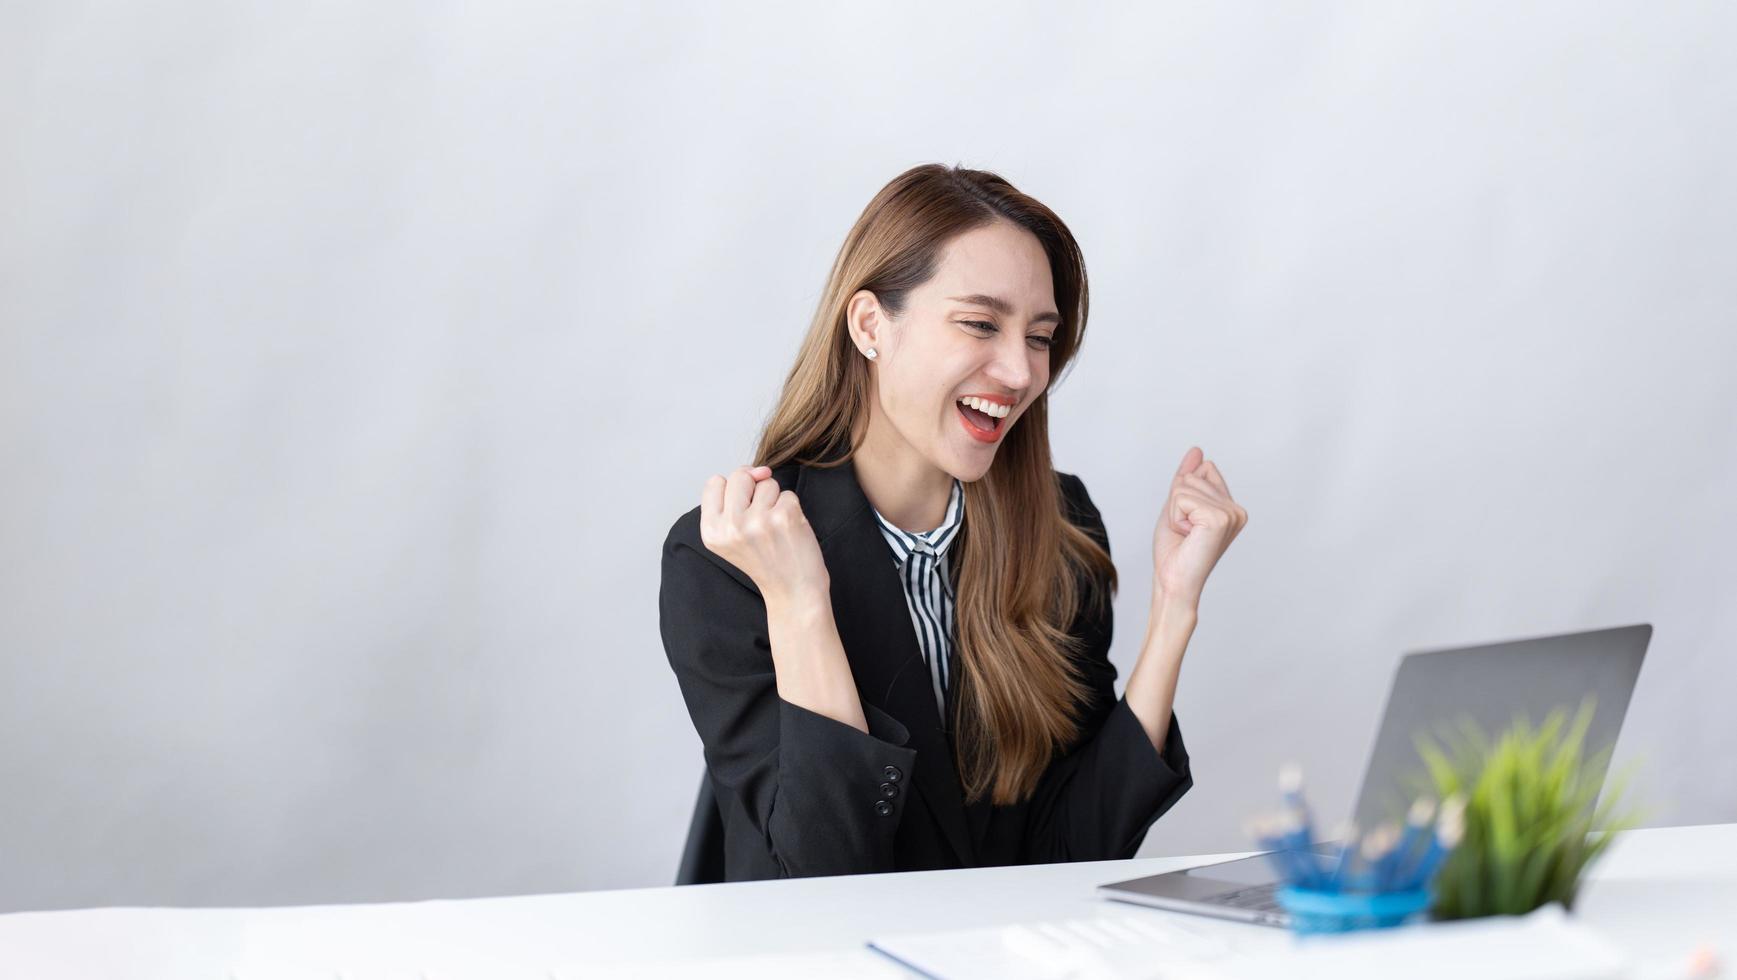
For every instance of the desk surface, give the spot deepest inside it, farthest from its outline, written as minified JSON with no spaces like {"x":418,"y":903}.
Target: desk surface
{"x":1656,"y":894}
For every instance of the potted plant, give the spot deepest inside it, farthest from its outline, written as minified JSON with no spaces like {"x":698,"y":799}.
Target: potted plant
{"x":1531,"y":827}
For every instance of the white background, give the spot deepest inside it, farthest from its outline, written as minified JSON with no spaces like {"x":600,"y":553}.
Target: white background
{"x":356,"y":358}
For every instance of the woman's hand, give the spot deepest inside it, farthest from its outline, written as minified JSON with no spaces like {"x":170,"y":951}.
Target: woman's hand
{"x":1199,"y":522}
{"x":748,"y":522}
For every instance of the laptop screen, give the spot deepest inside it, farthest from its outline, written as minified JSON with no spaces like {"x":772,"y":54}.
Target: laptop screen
{"x":1435,"y":692}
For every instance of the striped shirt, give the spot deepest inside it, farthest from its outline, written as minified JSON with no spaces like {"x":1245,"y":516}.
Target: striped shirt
{"x":921,"y":557}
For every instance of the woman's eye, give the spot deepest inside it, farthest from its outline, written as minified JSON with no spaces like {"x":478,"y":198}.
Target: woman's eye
{"x":1044,"y":343}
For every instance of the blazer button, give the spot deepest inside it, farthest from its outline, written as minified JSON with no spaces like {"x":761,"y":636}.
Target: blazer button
{"x":892,"y":774}
{"x":889,"y":791}
{"x":883,"y":808}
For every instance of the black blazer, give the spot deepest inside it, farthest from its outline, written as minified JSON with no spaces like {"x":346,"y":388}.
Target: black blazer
{"x":802,"y":794}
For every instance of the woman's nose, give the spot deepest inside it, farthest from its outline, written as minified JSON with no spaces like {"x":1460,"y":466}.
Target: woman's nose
{"x":1012,"y":366}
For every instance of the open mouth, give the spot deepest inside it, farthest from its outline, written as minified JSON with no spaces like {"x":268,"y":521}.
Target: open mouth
{"x":979,"y":424}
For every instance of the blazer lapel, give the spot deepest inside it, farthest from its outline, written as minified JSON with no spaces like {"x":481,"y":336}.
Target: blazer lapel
{"x":868,"y":603}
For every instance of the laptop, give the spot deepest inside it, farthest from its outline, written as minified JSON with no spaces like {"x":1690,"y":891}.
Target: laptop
{"x":1433,"y":691}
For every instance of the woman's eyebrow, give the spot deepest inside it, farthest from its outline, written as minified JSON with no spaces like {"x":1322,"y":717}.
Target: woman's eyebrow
{"x":1005,"y":308}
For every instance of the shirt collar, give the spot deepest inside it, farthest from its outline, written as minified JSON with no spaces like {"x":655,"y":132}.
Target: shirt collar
{"x":933,"y":542}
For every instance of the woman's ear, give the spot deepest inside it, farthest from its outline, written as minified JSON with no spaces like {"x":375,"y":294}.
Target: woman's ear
{"x":862,"y":315}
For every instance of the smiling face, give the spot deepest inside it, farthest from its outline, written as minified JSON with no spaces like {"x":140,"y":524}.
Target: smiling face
{"x":980,"y":326}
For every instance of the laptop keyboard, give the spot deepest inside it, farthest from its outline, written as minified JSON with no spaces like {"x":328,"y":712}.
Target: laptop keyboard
{"x":1255,"y":898}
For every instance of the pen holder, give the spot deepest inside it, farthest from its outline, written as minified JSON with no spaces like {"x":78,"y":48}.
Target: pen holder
{"x":1322,"y":912}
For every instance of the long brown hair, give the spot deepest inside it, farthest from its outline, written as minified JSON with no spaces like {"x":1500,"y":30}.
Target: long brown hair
{"x":1025,"y":569}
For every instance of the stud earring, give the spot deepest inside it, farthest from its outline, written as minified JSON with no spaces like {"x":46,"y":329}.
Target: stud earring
{"x":870,"y":353}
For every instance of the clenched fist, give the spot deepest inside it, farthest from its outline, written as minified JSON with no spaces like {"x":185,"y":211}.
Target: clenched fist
{"x":748,"y":522}
{"x":1199,"y":522}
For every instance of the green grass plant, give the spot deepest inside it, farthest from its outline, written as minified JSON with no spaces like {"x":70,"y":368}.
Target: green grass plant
{"x":1531,"y":827}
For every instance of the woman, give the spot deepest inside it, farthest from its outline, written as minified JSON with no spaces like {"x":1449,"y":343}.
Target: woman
{"x":893,"y":632}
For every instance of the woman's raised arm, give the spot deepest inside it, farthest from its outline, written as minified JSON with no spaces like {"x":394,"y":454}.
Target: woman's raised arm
{"x":765,"y":679}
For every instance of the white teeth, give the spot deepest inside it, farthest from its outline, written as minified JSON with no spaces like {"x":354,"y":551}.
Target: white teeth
{"x":987,"y":407}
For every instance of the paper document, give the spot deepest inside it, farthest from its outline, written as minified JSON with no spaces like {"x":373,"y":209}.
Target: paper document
{"x":1546,"y":945}
{"x":1108,"y":945}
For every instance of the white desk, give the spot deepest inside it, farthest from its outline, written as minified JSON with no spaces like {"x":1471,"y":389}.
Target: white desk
{"x":1656,"y":894}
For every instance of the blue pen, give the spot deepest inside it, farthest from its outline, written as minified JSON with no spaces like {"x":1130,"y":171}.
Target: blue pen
{"x":1417,"y":873}
{"x":1342,"y":863}
{"x":1291,"y":789}
{"x":1356,"y":866}
{"x":1378,"y":858}
{"x":1417,"y":826}
{"x":1310,"y":874}
{"x":1448,"y":831}
{"x":1368,"y":856}
{"x":1293,"y":829}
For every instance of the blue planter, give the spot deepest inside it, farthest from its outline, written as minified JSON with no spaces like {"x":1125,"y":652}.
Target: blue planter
{"x":1320,"y":912}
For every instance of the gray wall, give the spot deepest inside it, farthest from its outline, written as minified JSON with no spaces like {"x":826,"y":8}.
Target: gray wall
{"x":355,"y":358}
